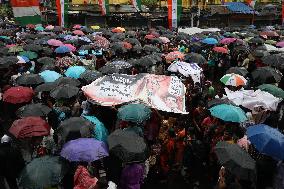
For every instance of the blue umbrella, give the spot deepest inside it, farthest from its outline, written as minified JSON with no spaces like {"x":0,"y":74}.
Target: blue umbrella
{"x":62,"y":49}
{"x":134,"y":112}
{"x":75,"y":71}
{"x":100,"y":132}
{"x":267,"y":140}
{"x":50,"y":76}
{"x":84,"y":150}
{"x":229,"y":113}
{"x":210,"y":41}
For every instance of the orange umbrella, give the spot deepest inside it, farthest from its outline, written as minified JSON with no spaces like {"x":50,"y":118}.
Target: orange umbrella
{"x":118,"y":30}
{"x":127,"y":45}
{"x":175,"y":55}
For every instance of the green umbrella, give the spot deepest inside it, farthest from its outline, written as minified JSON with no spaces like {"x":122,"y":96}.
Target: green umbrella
{"x":15,"y":49}
{"x":43,"y":172}
{"x":229,"y":113}
{"x":4,"y":37}
{"x":39,"y":28}
{"x":29,"y":54}
{"x":272,"y":89}
{"x":134,"y":112}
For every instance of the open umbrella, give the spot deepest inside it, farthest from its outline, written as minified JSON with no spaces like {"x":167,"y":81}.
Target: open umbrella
{"x":220,"y":50}
{"x":78,"y":32}
{"x":49,"y":27}
{"x":237,"y":70}
{"x":228,"y":113}
{"x":266,"y":75}
{"x":150,"y":49}
{"x":43,"y":172}
{"x":67,"y":81}
{"x":32,"y":47}
{"x":115,"y":67}
{"x":280,"y":44}
{"x":175,"y":55}
{"x":54,"y":42}
{"x":89,"y":76}
{"x":227,"y":41}
{"x":64,"y":92}
{"x":127,"y":146}
{"x":30,"y":126}
{"x":84,"y":150}
{"x":77,"y":26}
{"x":210,"y":41}
{"x":275,"y":60}
{"x":95,"y":27}
{"x":46,"y":87}
{"x":17,"y":95}
{"x":164,"y":39}
{"x":15,"y":49}
{"x":38,"y":110}
{"x":272,"y":89}
{"x":70,"y":46}
{"x":134,"y":113}
{"x":29,"y":79}
{"x":236,"y":160}
{"x":267,"y":140}
{"x":49,"y":76}
{"x":195,"y":58}
{"x":150,"y":36}
{"x":75,"y":71}
{"x":233,"y":80}
{"x":62,"y":49}
{"x":99,"y":132}
{"x":22,"y":60}
{"x":256,"y":40}
{"x":46,"y":60}
{"x":101,"y":42}
{"x":218,"y":101}
{"x":74,"y":128}
{"x":29,"y":54}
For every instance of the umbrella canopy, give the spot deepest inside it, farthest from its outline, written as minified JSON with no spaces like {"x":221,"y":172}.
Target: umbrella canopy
{"x":64,"y":92}
{"x":227,"y":41}
{"x":77,"y":26}
{"x":22,"y":60}
{"x":54,"y":42}
{"x":84,"y":150}
{"x":17,"y":95}
{"x":49,"y":76}
{"x":89,"y":76}
{"x":49,"y":27}
{"x":74,"y":128}
{"x":115,"y":67}
{"x":101,"y":42}
{"x":272,"y":89}
{"x":175,"y":55}
{"x":275,"y":60}
{"x":237,"y":70}
{"x":99,"y":132}
{"x":38,"y":110}
{"x":149,"y":36}
{"x":67,"y":81}
{"x":134,"y":113}
{"x":95,"y":27}
{"x":46,"y":87}
{"x":280,"y":44}
{"x":150,"y":49}
{"x":228,"y":113}
{"x":220,"y":50}
{"x":269,"y":34}
{"x":62,"y":49}
{"x":30,"y":126}
{"x":71,"y":47}
{"x":233,"y":80}
{"x":29,"y":79}
{"x":46,"y":60}
{"x":195,"y":58}
{"x":266,"y":75}
{"x":15,"y":49}
{"x":29,"y":54}
{"x":43,"y":172}
{"x":267,"y":140}
{"x":210,"y":41}
{"x":218,"y":101}
{"x":75,"y":71}
{"x":127,"y":146}
{"x":164,"y":39}
{"x":256,"y":40}
{"x":64,"y":62}
{"x":236,"y":160}
{"x":78,"y":32}
{"x":32,"y":47}
{"x":118,"y":30}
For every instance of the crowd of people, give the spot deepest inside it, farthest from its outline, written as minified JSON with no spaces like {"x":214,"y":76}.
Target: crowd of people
{"x":46,"y":120}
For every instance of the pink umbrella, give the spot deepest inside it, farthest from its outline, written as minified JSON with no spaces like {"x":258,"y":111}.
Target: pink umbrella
{"x":244,"y":143}
{"x":101,"y":42}
{"x":71,"y":47}
{"x":12,"y":45}
{"x":54,"y":42}
{"x":165,"y":39}
{"x":280,"y":44}
{"x":220,"y":50}
{"x":49,"y":27}
{"x":227,"y":41}
{"x":78,"y":32}
{"x":77,"y":26}
{"x":150,"y":36}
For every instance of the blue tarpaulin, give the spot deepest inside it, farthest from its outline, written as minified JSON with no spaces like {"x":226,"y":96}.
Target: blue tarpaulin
{"x":238,"y":7}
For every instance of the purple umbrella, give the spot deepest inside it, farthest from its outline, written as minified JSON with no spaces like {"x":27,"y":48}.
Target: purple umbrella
{"x":84,"y":150}
{"x":227,"y":41}
{"x":280,"y":44}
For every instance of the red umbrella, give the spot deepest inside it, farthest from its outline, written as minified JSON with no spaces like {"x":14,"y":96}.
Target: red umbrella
{"x":269,"y":34}
{"x":101,"y":42}
{"x":77,"y":26}
{"x":17,"y":95}
{"x":127,"y":45}
{"x":31,"y":26}
{"x":78,"y":32}
{"x":29,"y":127}
{"x":150,"y":36}
{"x":220,"y":50}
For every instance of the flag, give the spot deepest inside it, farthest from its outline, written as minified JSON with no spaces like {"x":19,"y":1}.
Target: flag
{"x":104,"y":6}
{"x":174,"y":12}
{"x":282,"y":12}
{"x":62,"y":12}
{"x":26,"y":11}
{"x":136,"y":4}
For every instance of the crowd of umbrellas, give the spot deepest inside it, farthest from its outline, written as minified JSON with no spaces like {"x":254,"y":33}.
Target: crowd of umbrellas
{"x":56,"y":61}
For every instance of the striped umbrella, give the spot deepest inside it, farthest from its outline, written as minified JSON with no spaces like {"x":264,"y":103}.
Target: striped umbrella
{"x":233,"y":80}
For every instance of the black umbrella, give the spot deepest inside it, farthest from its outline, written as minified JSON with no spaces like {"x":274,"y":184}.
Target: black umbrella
{"x":132,"y":41}
{"x":118,"y":47}
{"x":42,"y":41}
{"x":32,"y":47}
{"x":48,"y":67}
{"x":260,"y":53}
{"x":86,"y":47}
{"x":217,"y":101}
{"x":195,"y":58}
{"x":67,"y":81}
{"x":127,"y":146}
{"x":46,"y":51}
{"x":74,"y":128}
{"x":46,"y":60}
{"x":150,"y":49}
{"x":256,"y":40}
{"x":46,"y":87}
{"x":276,"y":60}
{"x":117,"y":37}
{"x":236,"y":160}
{"x":145,"y":61}
{"x":7,"y":61}
{"x":137,"y":48}
{"x":29,"y":79}
{"x":64,"y":92}
{"x":115,"y":67}
{"x":89,"y":76}
{"x":266,"y":75}
{"x":157,"y":41}
{"x":4,"y":51}
{"x":38,"y":110}
{"x":130,"y":34}
{"x":237,"y":70}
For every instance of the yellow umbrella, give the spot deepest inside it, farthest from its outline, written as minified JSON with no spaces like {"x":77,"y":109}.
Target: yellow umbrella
{"x":95,"y":27}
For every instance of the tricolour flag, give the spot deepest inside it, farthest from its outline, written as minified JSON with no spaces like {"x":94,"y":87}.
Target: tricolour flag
{"x":104,"y":6}
{"x":174,"y":12}
{"x":62,"y":12}
{"x":26,"y":11}
{"x":136,"y":4}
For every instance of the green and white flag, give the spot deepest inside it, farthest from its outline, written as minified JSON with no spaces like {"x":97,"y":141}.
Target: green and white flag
{"x":136,"y":4}
{"x":104,"y":6}
{"x":26,"y":11}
